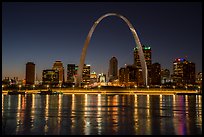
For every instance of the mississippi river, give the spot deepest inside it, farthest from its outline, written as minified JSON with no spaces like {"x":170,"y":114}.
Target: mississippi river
{"x":101,"y":114}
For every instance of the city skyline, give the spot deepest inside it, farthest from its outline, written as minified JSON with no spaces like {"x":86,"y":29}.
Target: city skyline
{"x":45,"y":32}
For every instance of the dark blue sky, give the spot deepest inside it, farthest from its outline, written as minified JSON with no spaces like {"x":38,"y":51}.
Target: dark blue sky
{"x":45,"y":32}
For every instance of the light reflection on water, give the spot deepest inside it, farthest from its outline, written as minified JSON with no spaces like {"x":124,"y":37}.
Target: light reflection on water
{"x":102,"y":114}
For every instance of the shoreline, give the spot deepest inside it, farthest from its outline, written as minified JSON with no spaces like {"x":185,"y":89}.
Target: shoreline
{"x":126,"y":91}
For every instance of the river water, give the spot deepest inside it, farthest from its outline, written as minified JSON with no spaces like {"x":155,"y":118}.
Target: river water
{"x":101,"y":114}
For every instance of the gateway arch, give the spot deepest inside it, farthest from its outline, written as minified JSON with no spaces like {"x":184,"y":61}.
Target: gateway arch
{"x":86,"y":43}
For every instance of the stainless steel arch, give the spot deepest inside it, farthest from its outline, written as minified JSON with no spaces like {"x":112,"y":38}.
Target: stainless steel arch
{"x":137,"y":41}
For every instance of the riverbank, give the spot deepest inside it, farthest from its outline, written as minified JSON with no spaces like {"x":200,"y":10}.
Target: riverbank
{"x":109,"y":91}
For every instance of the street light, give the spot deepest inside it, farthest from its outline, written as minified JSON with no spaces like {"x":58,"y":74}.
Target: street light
{"x":33,"y":87}
{"x":73,"y":87}
{"x":19,"y":87}
{"x":60,"y":87}
{"x":160,"y":87}
{"x":47,"y":87}
{"x":174,"y":87}
{"x":86,"y":87}
{"x":148,"y":87}
{"x":135,"y":87}
{"x":99,"y":87}
{"x":2,"y":87}
{"x":186,"y":87}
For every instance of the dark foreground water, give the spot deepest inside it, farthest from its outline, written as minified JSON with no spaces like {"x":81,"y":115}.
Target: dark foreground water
{"x":102,"y":114}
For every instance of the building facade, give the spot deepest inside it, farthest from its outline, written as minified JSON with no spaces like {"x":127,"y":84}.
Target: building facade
{"x":113,"y":69}
{"x":58,"y":65}
{"x":50,"y":77}
{"x":183,"y":72}
{"x":127,"y":76}
{"x":156,"y":74}
{"x":71,"y":73}
{"x":30,"y":73}
{"x":148,"y":59}
{"x":165,"y":76}
{"x":86,"y":74}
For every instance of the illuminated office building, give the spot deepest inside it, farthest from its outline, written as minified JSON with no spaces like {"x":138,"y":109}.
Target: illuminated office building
{"x":183,"y":72}
{"x":148,"y":59}
{"x":165,"y":76}
{"x":86,"y":74}
{"x":127,"y":75}
{"x":71,"y":73}
{"x":58,"y":65}
{"x":93,"y":77}
{"x":50,"y":77}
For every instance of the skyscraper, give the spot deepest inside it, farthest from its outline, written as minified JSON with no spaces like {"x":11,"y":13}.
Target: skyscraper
{"x":113,"y":69}
{"x":58,"y":65}
{"x":183,"y":72}
{"x":127,"y":75}
{"x":148,"y":59}
{"x":165,"y":76}
{"x":30,"y":73}
{"x":156,"y":74}
{"x":71,"y":72}
{"x":50,"y":77}
{"x":86,"y":74}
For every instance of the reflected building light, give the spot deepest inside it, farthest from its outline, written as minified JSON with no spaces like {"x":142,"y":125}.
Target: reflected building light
{"x":59,"y":113}
{"x":199,"y":110}
{"x":19,"y":101}
{"x":2,"y":100}
{"x":46,"y":113}
{"x":123,"y":100}
{"x":136,"y":114}
{"x":148,"y":116}
{"x":186,"y":103}
{"x":174,"y":104}
{"x":73,"y":105}
{"x":33,"y":109}
{"x":23,"y":104}
{"x":99,"y":102}
{"x":160,"y":105}
{"x":18,"y":119}
{"x":73,"y":125}
{"x":73,"y":99}
{"x":86,"y":100}
{"x":59,"y":104}
{"x":115,"y":111}
{"x":86,"y":119}
{"x":33,"y":101}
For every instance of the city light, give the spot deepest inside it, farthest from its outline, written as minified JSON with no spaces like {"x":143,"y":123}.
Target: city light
{"x":19,"y":87}
{"x":174,"y":87}
{"x":47,"y":87}
{"x":99,"y":87}
{"x":135,"y":87}
{"x":60,"y":87}
{"x":148,"y":87}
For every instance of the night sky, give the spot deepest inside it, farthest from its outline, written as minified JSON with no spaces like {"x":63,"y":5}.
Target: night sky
{"x":45,"y":32}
